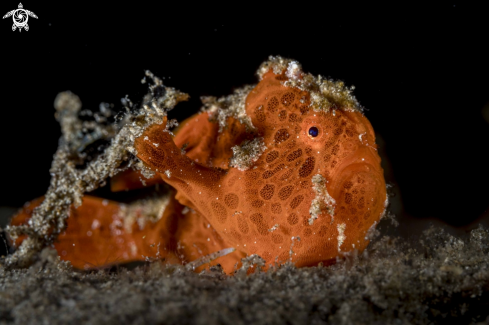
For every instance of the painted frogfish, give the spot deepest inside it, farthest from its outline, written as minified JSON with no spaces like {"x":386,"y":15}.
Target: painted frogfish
{"x":286,"y":169}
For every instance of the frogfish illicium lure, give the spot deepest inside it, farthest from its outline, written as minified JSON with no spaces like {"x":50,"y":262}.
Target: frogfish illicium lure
{"x":287,"y":169}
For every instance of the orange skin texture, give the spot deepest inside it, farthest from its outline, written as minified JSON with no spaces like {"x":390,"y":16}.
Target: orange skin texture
{"x":235,"y":208}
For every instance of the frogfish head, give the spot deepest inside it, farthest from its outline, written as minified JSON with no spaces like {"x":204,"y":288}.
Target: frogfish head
{"x":318,"y":188}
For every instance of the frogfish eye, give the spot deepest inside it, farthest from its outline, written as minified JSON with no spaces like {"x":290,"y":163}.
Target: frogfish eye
{"x":313,"y":131}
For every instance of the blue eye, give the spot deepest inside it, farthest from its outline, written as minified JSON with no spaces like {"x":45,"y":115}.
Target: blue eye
{"x":313,"y":131}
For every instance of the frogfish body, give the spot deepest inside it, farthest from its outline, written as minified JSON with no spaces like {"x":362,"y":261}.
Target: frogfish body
{"x":288,"y":170}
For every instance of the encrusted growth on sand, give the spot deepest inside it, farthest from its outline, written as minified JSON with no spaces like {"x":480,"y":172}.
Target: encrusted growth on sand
{"x":254,"y":261}
{"x":326,"y":94}
{"x":246,"y":154}
{"x":232,"y":105}
{"x":322,"y":200}
{"x":70,"y":181}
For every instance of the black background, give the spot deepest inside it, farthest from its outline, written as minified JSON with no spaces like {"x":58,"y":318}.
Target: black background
{"x":421,"y":73}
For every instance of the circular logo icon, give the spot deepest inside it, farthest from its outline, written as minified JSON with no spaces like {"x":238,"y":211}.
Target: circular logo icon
{"x":20,"y":17}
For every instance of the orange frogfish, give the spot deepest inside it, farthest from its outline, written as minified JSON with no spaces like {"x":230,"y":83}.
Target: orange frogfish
{"x":287,"y":169}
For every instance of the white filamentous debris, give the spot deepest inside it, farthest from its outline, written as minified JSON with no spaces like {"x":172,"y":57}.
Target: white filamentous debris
{"x":386,"y":204}
{"x":69,"y":182}
{"x":322,"y":200}
{"x":277,"y":63}
{"x":341,"y":235}
{"x":208,"y":258}
{"x":326,"y":94}
{"x":246,"y":154}
{"x":372,"y":232}
{"x":143,"y":211}
{"x":275,"y":227}
{"x":219,"y":109}
{"x":291,"y":250}
{"x":185,"y":210}
{"x":143,"y":169}
{"x":170,"y":124}
{"x":168,"y":173}
{"x":294,"y":70}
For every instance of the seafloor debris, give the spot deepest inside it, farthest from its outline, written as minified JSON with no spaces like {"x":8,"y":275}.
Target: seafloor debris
{"x":220,"y":109}
{"x":443,"y":280}
{"x":246,"y":154}
{"x":326,"y":94}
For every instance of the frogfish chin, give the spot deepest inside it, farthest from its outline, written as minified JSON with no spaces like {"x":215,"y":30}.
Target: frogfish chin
{"x":287,"y":169}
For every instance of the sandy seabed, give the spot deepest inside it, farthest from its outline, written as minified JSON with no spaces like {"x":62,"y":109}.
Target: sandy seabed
{"x":439,"y":278}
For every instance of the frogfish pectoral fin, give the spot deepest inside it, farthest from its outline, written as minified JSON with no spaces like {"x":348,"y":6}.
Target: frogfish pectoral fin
{"x":194,"y":182}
